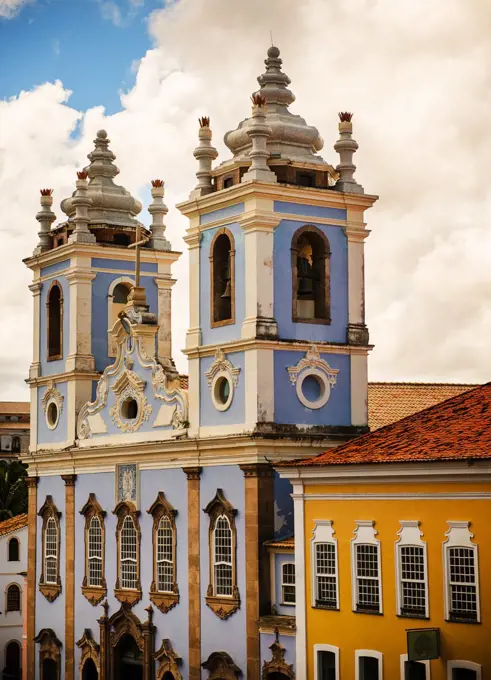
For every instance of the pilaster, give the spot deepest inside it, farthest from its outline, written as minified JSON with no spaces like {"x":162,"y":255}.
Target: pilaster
{"x":69,"y":576}
{"x":80,"y":278}
{"x":300,"y":592}
{"x":259,"y":394}
{"x":193,"y":336}
{"x":194,"y":593}
{"x":164,"y":318}
{"x":32,"y":489}
{"x":356,"y":234}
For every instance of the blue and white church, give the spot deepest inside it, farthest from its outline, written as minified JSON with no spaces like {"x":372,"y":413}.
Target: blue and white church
{"x":160,"y":536}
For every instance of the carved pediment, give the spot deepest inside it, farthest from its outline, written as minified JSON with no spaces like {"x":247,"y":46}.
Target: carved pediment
{"x":221,"y":666}
{"x":168,"y":661}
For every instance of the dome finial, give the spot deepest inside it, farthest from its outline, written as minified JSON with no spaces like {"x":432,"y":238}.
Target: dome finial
{"x":205,"y":154}
{"x":346,"y":146}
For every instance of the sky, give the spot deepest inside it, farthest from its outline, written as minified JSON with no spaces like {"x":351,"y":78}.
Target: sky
{"x":417,"y":75}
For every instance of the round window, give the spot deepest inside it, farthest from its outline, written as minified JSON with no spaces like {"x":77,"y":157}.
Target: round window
{"x":222,"y":392}
{"x":313,"y":388}
{"x":129,"y":409}
{"x":52,"y":415}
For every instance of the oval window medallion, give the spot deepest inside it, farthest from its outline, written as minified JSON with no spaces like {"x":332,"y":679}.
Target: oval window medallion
{"x":222,"y":379}
{"x":313,"y":379}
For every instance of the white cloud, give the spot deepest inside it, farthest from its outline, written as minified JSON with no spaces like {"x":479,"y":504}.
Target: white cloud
{"x":10,"y":8}
{"x":110,"y":11}
{"x":420,"y":90}
{"x":56,"y":47}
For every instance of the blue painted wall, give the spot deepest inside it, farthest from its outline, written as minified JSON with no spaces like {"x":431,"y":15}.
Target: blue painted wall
{"x":223,"y":333}
{"x":51,"y":614}
{"x":53,"y":367}
{"x":235,"y":414}
{"x":228,"y":635}
{"x":283,"y":507}
{"x":60,"y":433}
{"x":289,"y":409}
{"x":221,"y":213}
{"x":309,"y":210}
{"x":336,"y":330}
{"x":280,"y":559}
{"x":54,"y":268}
{"x":288,"y":642}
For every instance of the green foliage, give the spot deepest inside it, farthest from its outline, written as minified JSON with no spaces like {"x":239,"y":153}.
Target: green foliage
{"x":13,"y":489}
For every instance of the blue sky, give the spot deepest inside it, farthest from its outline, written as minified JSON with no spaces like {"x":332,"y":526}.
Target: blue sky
{"x":90,"y":45}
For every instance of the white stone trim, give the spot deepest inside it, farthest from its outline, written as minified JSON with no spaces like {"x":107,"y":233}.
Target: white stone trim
{"x":325,"y":648}
{"x":425,"y":663}
{"x":459,"y":535}
{"x":300,"y":607}
{"x":281,"y":346}
{"x":374,"y":655}
{"x":469,"y":665}
{"x":323,"y":533}
{"x":312,"y":365}
{"x":356,"y":283}
{"x":410,"y":535}
{"x":215,"y":387}
{"x":365,"y":534}
{"x":359,"y":389}
{"x":282,"y":602}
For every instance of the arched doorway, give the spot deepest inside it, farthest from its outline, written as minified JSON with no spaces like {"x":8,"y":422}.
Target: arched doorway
{"x":12,"y":661}
{"x":90,"y":671}
{"x":49,"y":670}
{"x":128,"y":659}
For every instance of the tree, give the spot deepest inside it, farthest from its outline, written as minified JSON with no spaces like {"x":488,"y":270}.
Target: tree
{"x":13,"y":489}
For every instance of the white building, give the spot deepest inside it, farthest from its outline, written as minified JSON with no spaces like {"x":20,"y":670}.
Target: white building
{"x":13,"y":564}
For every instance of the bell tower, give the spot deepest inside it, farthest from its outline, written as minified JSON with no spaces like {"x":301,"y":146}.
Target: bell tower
{"x":83,"y":275}
{"x":277,"y":342}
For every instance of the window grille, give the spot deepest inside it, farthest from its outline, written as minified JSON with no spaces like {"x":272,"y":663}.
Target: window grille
{"x":13,"y":598}
{"x":413,"y":586}
{"x":95,"y":553}
{"x":165,"y":556}
{"x":462,"y":581}
{"x":325,"y":575}
{"x":128,"y":554}
{"x":51,"y":552}
{"x":288,"y":583}
{"x":222,"y":549}
{"x":367,"y":578}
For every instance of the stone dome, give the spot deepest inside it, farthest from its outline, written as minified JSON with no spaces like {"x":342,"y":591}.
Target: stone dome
{"x":112,"y":204}
{"x":291,"y":139}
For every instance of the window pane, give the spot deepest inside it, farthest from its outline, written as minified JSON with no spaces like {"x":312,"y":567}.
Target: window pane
{"x":326,"y":666}
{"x":325,"y":565}
{"x":95,"y":552}
{"x":51,"y":551}
{"x":368,"y":667}
{"x":128,"y":554}
{"x":414,"y":670}
{"x":462,"y":579}
{"x":165,"y":549}
{"x":223,"y":579}
{"x":288,"y":583}
{"x":368,"y":587}
{"x":13,"y":598}
{"x":413,"y":591}
{"x":463,"y":674}
{"x":13,"y":550}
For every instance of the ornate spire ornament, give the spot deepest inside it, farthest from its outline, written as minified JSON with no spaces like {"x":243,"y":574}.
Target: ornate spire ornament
{"x":260,"y":133}
{"x":81,"y":202}
{"x":158,"y":210}
{"x":205,"y":154}
{"x":45,"y":217}
{"x":346,"y":147}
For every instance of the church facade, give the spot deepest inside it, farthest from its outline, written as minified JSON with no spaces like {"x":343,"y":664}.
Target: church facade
{"x":158,"y":530}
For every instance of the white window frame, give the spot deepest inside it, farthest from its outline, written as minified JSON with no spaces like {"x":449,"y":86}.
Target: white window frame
{"x":165,"y":520}
{"x":283,"y":584}
{"x":128,"y":559}
{"x":323,"y":533}
{"x":325,"y":648}
{"x":365,"y":534}
{"x":410,"y":536}
{"x":468,"y":665}
{"x":54,"y":555}
{"x":92,"y":556}
{"x":459,"y":536}
{"x":403,"y":670}
{"x":372,"y":654}
{"x":214,"y":560}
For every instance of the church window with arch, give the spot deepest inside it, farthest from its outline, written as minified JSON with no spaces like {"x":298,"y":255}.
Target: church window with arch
{"x":223,"y":593}
{"x":54,"y":317}
{"x":311,"y":276}
{"x":128,"y":537}
{"x":94,"y":583}
{"x":222,"y":273}
{"x":50,"y":580}
{"x":164,"y":591}
{"x":13,"y":550}
{"x":13,"y":597}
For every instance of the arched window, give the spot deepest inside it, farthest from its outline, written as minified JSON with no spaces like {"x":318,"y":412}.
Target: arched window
{"x":12,"y":660}
{"x":94,"y":584}
{"x":50,"y":582}
{"x":223,"y":593}
{"x":117,"y":300}
{"x":54,"y":306}
{"x":15,"y":444}
{"x":311,"y":288}
{"x":164,"y":592}
{"x":128,"y":585}
{"x":14,"y":550}
{"x":222,"y":270}
{"x":13,"y":598}
{"x":90,"y":671}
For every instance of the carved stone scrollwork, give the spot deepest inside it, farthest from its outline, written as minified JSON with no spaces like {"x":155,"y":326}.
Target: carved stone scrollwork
{"x":168,"y":661}
{"x":90,"y":650}
{"x":129,"y":386}
{"x":277,"y":663}
{"x":221,"y":666}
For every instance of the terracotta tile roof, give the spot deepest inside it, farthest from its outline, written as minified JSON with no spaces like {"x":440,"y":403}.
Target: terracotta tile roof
{"x":14,"y":408}
{"x":391,"y":401}
{"x":288,"y":543}
{"x":456,"y":429}
{"x":13,"y":524}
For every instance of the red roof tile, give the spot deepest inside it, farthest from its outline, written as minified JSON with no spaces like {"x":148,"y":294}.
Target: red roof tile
{"x":13,"y":524}
{"x":456,"y":429}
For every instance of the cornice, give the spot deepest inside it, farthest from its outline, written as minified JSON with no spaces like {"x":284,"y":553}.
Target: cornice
{"x":286,"y":345}
{"x":63,"y":377}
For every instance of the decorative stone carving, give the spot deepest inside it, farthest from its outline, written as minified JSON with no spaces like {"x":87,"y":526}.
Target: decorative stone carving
{"x":312,"y":365}
{"x":163,"y":600}
{"x":90,"y":650}
{"x":222,"y":370}
{"x":221,"y":666}
{"x":127,"y":483}
{"x":49,"y":648}
{"x":122,"y":623}
{"x":129,"y":386}
{"x":168,"y":661}
{"x":277,"y":663}
{"x":52,"y":396}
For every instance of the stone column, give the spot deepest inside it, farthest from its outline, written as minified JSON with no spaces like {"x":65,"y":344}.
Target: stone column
{"x":30,"y":611}
{"x":205,"y":154}
{"x":259,"y":527}
{"x":300,"y":593}
{"x":346,"y":147}
{"x":81,"y":201}
{"x":148,"y":646}
{"x":45,"y":217}
{"x":69,"y":576}
{"x":259,"y":132}
{"x":158,"y":210}
{"x":194,"y":592}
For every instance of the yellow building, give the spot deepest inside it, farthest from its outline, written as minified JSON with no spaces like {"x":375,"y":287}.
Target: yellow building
{"x":393,"y":533}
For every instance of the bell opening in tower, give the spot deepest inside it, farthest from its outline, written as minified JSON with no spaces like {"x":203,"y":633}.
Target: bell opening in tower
{"x":222,"y":279}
